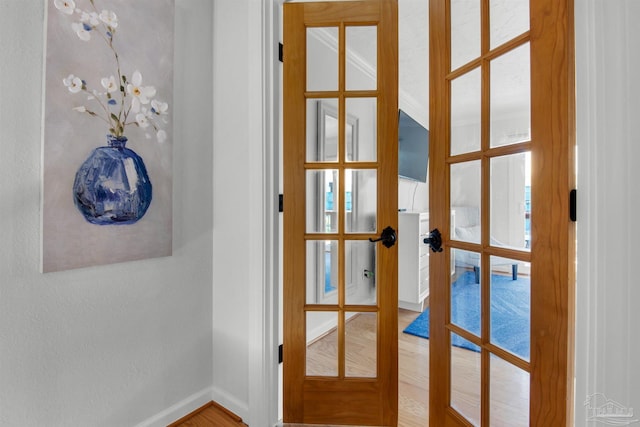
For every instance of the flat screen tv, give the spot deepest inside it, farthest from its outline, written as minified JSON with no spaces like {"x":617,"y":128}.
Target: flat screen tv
{"x":413,"y":148}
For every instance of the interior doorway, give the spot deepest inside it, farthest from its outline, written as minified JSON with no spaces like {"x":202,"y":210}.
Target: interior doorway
{"x":410,"y":198}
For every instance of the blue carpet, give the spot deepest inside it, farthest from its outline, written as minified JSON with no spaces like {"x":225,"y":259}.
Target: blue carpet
{"x":510,"y":308}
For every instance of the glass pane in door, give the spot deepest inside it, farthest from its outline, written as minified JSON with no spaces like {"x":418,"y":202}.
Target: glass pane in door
{"x":509,"y":395}
{"x":322,"y":59}
{"x":511,"y":97}
{"x":322,"y":130}
{"x":466,"y":113}
{"x":361,"y":200}
{"x":322,"y":343}
{"x":465,"y":291}
{"x":510,"y":301}
{"x":465,"y":195}
{"x":322,"y":272}
{"x":509,"y":19}
{"x":361,"y":349}
{"x":361,"y":134}
{"x":322,"y":201}
{"x":465,"y":44}
{"x":360,"y":267}
{"x":362,"y":57}
{"x":511,"y":201}
{"x":465,"y":379}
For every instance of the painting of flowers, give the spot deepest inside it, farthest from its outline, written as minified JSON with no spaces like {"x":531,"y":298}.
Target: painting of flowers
{"x":107,"y":132}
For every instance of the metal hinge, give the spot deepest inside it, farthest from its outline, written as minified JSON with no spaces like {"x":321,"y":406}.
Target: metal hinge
{"x":281,"y":203}
{"x":573,"y":205}
{"x":281,"y":52}
{"x":280,"y":354}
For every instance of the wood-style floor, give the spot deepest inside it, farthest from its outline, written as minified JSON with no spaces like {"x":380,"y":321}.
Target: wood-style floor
{"x":510,"y":386}
{"x":210,"y":415}
{"x":413,"y":353}
{"x":413,"y":375}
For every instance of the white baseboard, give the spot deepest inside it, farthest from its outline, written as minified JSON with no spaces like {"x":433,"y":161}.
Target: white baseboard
{"x":180,"y":409}
{"x":230,"y":403}
{"x":412,"y":306}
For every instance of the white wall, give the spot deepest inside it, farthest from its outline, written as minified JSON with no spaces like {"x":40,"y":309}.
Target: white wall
{"x":245,"y":210}
{"x":232,"y":208}
{"x":118,"y":344}
{"x":608,"y":289}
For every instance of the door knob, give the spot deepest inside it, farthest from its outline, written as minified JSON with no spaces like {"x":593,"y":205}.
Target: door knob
{"x":434,"y":240}
{"x":388,"y":237}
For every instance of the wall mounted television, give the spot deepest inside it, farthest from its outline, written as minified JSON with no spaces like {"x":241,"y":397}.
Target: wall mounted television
{"x":413,"y":148}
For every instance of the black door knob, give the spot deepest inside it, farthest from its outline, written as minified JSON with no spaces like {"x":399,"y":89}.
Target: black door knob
{"x":434,"y":240}
{"x":388,"y":237}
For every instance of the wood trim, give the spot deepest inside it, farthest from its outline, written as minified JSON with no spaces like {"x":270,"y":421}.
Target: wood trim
{"x":485,"y":212}
{"x":439,"y":41}
{"x":388,"y":207}
{"x":293,"y":96}
{"x":553,"y":234}
{"x":503,"y":150}
{"x":311,"y":399}
{"x":322,"y":14}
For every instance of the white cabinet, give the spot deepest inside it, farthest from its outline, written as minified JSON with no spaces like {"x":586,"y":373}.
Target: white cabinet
{"x":413,"y":260}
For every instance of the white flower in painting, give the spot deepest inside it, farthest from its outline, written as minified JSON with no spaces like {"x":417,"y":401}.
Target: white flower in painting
{"x":109,"y":83}
{"x":142,"y":120}
{"x":73,"y":83}
{"x":90,"y":18}
{"x":65,"y":6}
{"x":82,"y":30}
{"x":162,"y":136}
{"x":109,"y":18}
{"x":123,"y":99}
{"x":158,"y":107}
{"x":141,"y":94}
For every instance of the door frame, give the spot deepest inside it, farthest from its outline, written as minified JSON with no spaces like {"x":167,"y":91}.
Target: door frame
{"x":265,"y":26}
{"x":264,"y":118}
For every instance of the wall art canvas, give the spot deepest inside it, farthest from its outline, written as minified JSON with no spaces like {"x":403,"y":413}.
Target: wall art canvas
{"x":107,"y":132}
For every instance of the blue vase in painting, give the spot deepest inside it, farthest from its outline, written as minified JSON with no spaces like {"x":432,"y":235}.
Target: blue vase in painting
{"x":112,"y":186}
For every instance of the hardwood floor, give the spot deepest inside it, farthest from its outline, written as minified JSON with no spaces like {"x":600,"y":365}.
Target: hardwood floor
{"x":413,"y":367}
{"x":509,"y":402}
{"x":413,"y":381}
{"x":210,"y":415}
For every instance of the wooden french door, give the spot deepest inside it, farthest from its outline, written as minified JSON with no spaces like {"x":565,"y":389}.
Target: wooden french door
{"x":501,"y":173}
{"x":340,"y":192}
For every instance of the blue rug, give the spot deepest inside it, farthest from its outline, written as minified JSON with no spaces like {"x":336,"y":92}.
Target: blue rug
{"x":510,"y":308}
